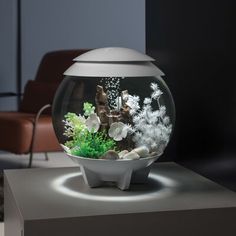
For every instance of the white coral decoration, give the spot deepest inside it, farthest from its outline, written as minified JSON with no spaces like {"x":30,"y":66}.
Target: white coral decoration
{"x":133,"y":103}
{"x":93,"y":123}
{"x":154,"y":86}
{"x":156,"y":91}
{"x":118,"y":131}
{"x":147,"y":101}
{"x":152,"y":128}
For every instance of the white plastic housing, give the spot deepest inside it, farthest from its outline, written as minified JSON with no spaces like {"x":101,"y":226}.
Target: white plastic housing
{"x":109,"y":62}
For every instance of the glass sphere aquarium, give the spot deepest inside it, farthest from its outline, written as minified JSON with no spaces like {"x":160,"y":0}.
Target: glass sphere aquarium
{"x":114,"y":115}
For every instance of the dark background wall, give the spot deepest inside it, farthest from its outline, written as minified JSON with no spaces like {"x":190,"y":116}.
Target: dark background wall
{"x":194,"y":43}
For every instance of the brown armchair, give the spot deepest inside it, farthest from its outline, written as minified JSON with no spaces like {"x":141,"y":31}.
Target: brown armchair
{"x":30,"y":129}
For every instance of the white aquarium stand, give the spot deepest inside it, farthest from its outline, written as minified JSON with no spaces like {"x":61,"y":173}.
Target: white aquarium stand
{"x":122,"y":171}
{"x":174,"y":201}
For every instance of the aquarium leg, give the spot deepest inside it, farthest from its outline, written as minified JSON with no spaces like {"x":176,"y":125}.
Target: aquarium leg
{"x":140,"y":176}
{"x":124,"y":181}
{"x":90,"y":178}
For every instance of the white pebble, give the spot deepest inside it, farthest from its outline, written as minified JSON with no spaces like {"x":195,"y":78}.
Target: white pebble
{"x":122,"y":153}
{"x":131,"y":155}
{"x":142,"y":151}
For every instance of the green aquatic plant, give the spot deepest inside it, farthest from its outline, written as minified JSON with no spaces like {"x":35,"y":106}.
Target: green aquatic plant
{"x":88,"y":109}
{"x":74,"y":125}
{"x":92,"y":145}
{"x":84,"y":137}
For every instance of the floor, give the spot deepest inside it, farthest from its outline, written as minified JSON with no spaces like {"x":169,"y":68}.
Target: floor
{"x":10,"y":161}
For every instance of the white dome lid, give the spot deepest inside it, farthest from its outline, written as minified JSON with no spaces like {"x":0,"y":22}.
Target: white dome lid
{"x":113,"y":54}
{"x":113,"y":70}
{"x":113,"y":62}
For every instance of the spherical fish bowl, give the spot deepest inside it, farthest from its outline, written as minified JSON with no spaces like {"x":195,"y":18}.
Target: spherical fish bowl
{"x":113,"y":114}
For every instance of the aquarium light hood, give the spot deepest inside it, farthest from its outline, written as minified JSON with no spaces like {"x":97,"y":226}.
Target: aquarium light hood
{"x":113,"y":62}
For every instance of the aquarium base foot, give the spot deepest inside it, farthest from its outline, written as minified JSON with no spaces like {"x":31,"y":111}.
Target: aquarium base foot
{"x":140,"y":176}
{"x":122,"y":180}
{"x":90,"y":178}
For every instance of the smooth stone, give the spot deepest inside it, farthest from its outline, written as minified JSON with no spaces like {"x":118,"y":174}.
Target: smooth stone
{"x":110,"y":155}
{"x":122,"y":153}
{"x":142,"y":151}
{"x":152,"y":154}
{"x":131,"y":155}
